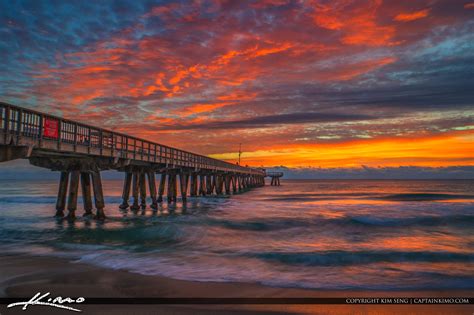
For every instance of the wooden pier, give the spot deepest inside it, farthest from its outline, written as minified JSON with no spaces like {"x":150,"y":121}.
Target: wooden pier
{"x":80,"y":152}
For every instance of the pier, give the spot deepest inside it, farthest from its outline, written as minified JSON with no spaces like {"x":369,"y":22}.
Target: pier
{"x":275,"y":178}
{"x":80,"y":152}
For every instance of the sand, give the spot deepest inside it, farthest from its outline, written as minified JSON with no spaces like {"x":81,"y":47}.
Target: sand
{"x":24,"y":276}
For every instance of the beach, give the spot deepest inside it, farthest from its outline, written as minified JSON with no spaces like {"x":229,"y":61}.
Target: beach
{"x":24,"y":276}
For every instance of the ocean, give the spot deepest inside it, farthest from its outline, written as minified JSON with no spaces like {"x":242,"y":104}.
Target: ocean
{"x":316,"y":234}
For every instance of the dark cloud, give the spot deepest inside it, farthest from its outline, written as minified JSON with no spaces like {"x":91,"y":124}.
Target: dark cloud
{"x":275,"y":121}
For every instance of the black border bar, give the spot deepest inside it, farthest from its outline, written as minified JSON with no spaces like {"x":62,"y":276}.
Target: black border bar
{"x":293,"y":300}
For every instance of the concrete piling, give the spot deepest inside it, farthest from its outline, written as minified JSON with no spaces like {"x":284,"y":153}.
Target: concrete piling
{"x":86,"y":193}
{"x":142,"y":179}
{"x":73,"y":192}
{"x":227,"y":179}
{"x":183,"y":180}
{"x":202,"y":185}
{"x":98,"y":195}
{"x":234,"y":184}
{"x":62,"y":191}
{"x":172,"y":189}
{"x":135,"y":191}
{"x":152,"y":188}
{"x":126,"y":190}
{"x":161,"y":189}
{"x":194,"y":185}
{"x":218,"y":183}
{"x":209,"y":185}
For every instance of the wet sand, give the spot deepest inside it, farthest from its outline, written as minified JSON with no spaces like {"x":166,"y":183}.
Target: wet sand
{"x":24,"y":276}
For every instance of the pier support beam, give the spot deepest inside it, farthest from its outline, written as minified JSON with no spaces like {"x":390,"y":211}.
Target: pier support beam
{"x":194,"y":185}
{"x":219,"y":182}
{"x":62,"y":191}
{"x":98,"y":195}
{"x":135,"y":191}
{"x":209,"y":184}
{"x":152,"y":188}
{"x":86,"y":193}
{"x":234,"y":184}
{"x":202,"y":185}
{"x":161,"y":189}
{"x":127,"y":183}
{"x":172,"y":189}
{"x":183,"y":180}
{"x":275,"y":181}
{"x":142,"y":190}
{"x":73,"y":192}
{"x":227,"y":179}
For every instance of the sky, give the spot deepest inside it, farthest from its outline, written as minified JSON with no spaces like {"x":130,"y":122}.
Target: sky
{"x":304,"y":84}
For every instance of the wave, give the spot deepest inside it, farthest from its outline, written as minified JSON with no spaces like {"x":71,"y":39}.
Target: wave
{"x":273,"y":224}
{"x":340,"y":258}
{"x":424,"y":197}
{"x":374,"y":196}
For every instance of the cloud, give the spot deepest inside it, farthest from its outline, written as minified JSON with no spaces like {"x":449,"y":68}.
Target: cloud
{"x":274,"y":121}
{"x":412,"y":16}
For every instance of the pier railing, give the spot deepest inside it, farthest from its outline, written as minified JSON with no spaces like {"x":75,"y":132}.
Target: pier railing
{"x":49,"y":132}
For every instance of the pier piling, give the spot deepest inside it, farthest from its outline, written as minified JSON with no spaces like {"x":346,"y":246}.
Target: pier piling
{"x":135,"y":191}
{"x":202,"y":185}
{"x":86,"y":193}
{"x":73,"y":191}
{"x":152,"y":188}
{"x":209,"y":185}
{"x":161,"y":189}
{"x":98,"y":195}
{"x":142,"y":190}
{"x":227,"y":179}
{"x":62,"y":191}
{"x":183,"y":180}
{"x":126,"y":190}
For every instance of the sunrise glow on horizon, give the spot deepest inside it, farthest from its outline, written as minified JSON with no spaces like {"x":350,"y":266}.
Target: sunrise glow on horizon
{"x":316,"y":83}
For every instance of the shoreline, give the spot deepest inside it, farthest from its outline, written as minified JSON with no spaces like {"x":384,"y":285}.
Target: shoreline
{"x":24,"y":275}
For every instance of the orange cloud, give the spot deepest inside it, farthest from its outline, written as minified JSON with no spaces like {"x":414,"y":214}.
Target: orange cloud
{"x":407,"y":17}
{"x":202,"y":108}
{"x":230,"y":99}
{"x":442,"y":150}
{"x":358,"y":24}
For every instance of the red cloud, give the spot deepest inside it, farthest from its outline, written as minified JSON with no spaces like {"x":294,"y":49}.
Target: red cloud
{"x":407,"y":17}
{"x":356,"y":22}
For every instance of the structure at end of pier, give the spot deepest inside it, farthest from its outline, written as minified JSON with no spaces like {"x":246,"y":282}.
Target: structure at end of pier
{"x":275,"y":176}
